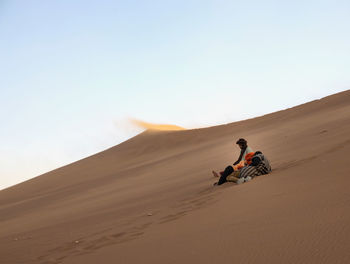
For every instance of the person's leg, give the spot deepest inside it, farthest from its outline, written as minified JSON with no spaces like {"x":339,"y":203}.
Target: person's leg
{"x":227,"y":171}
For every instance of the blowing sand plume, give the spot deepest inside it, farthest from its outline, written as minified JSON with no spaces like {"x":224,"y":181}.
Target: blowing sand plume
{"x":155,"y":127}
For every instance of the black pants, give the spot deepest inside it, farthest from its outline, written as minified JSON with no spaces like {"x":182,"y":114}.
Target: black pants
{"x":227,"y":172}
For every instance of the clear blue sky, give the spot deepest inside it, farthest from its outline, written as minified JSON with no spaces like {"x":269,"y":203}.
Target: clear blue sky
{"x":73,"y":72}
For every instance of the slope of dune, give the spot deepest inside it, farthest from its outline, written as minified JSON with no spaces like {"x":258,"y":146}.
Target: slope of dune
{"x":151,"y":199}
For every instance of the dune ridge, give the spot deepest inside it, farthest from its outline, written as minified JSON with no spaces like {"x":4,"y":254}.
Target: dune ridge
{"x":154,"y":193}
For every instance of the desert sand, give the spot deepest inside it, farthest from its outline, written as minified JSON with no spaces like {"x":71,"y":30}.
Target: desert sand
{"x":151,"y":199}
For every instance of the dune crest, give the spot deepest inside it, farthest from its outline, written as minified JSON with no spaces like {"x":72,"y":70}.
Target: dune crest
{"x":156,"y":127}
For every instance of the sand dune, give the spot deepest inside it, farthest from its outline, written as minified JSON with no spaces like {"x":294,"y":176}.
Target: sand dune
{"x":151,"y":199}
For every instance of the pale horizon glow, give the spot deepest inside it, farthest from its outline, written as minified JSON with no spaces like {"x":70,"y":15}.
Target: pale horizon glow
{"x":72,"y":74}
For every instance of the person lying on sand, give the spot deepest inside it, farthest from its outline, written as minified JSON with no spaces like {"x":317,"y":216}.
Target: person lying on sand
{"x":259,"y":165}
{"x":240,"y":162}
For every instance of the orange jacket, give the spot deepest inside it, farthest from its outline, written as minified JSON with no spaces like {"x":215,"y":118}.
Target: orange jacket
{"x":248,"y":158}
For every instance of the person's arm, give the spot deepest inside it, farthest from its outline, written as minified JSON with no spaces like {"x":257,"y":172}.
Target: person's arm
{"x":240,"y":156}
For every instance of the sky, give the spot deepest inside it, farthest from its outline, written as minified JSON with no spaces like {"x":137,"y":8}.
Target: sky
{"x":73,"y":73}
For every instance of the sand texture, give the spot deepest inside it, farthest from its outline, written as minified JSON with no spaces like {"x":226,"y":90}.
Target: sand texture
{"x":151,"y":199}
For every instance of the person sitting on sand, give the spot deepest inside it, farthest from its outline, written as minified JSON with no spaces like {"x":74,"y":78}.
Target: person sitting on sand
{"x":245,"y":150}
{"x":240,"y":163}
{"x":259,"y":165}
